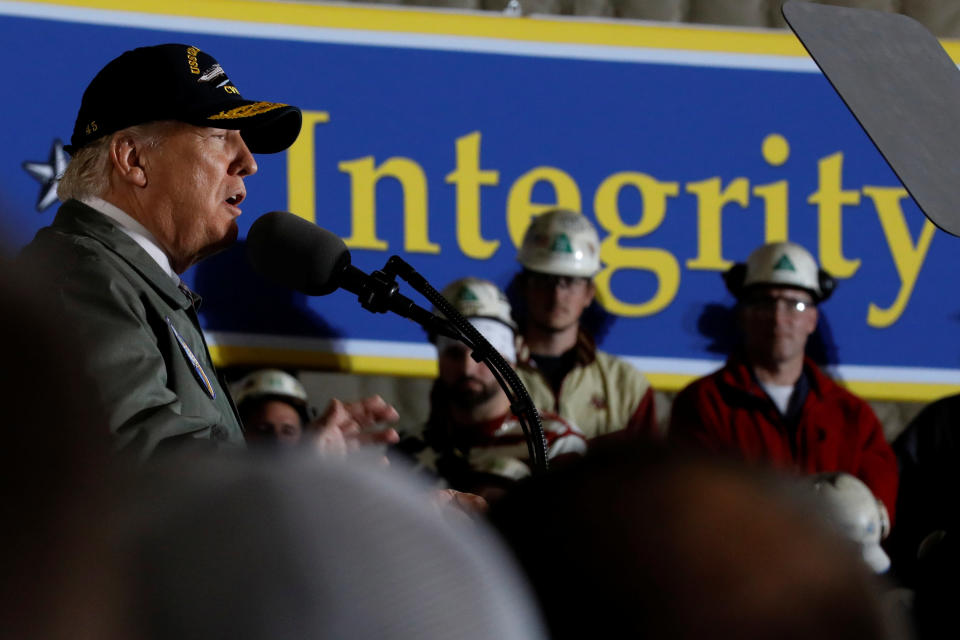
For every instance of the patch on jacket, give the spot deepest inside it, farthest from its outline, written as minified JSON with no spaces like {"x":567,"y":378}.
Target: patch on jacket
{"x":599,"y":401}
{"x":197,"y":369}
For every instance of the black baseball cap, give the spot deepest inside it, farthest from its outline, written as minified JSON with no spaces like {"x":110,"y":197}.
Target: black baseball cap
{"x":178,"y":82}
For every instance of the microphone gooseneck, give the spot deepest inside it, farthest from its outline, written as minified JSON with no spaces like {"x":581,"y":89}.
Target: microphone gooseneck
{"x":295,"y":253}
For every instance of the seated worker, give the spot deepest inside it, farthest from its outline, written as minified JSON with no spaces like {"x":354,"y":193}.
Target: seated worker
{"x":558,"y":360}
{"x":273,"y":407}
{"x":471,"y":439}
{"x":928,"y":450}
{"x":770,"y":403}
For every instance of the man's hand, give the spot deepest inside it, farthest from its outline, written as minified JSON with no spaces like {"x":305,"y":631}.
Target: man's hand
{"x":469,"y":503}
{"x":344,"y":427}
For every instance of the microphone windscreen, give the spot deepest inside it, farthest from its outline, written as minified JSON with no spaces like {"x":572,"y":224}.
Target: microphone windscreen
{"x":295,"y":253}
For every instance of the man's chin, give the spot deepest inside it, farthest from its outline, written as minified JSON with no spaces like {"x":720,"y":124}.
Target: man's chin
{"x":554,"y":326}
{"x":230,"y":236}
{"x":469,"y":397}
{"x":776,"y":356}
{"x":226,"y":240}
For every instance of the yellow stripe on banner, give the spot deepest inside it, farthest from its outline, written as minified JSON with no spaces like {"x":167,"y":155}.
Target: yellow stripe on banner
{"x":621,"y":33}
{"x":669,"y":381}
{"x":485,"y":25}
{"x":953,"y":49}
{"x":901,"y":391}
{"x":886,"y":391}
{"x":229,"y":356}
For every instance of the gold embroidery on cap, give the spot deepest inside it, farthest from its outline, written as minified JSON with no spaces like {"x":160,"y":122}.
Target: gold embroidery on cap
{"x":192,"y":60}
{"x":247,"y":111}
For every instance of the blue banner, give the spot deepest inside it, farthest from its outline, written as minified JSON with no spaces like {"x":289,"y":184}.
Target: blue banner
{"x":438,"y":136}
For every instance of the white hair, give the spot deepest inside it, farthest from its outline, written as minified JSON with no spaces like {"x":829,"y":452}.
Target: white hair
{"x":88,"y":173}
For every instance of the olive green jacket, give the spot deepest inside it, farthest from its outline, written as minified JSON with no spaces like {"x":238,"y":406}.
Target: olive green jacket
{"x":145,"y":352}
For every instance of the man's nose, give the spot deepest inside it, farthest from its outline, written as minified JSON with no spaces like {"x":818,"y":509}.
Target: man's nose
{"x":783,"y":311}
{"x":470,"y":366}
{"x":458,"y":362}
{"x":244,"y":164}
{"x":555,"y":291}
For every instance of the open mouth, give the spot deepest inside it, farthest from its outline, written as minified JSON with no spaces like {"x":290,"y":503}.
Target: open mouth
{"x":236,"y":198}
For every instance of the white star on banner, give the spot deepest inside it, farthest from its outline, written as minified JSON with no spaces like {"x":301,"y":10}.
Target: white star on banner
{"x":48,"y":174}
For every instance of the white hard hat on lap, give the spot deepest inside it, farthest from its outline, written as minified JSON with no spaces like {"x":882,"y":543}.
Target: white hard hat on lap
{"x":562,"y":243}
{"x":857,"y":514}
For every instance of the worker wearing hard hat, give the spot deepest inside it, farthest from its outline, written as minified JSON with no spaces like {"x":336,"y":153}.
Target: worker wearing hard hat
{"x":472,"y":440}
{"x":770,"y":403}
{"x":273,"y":407}
{"x":558,"y":360}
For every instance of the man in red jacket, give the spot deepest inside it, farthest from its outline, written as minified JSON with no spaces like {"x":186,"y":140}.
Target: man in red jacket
{"x":770,"y":403}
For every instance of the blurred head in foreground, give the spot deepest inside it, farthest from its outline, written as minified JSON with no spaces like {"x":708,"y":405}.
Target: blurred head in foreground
{"x":653,"y":544}
{"x":247,"y":549}
{"x":56,"y":569}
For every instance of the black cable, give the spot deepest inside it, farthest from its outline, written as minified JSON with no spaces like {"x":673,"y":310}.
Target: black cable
{"x":520,"y":402}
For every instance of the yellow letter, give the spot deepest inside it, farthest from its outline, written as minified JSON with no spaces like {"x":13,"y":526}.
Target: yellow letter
{"x":519,"y":208}
{"x":469,"y":177}
{"x":774,"y":196}
{"x":364,"y":177}
{"x":301,"y":168}
{"x":831,"y":198}
{"x":710,"y":203}
{"x":776,"y":151}
{"x":660,"y":262}
{"x":907,"y":258}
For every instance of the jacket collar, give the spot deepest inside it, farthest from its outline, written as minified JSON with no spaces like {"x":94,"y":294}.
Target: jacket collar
{"x":738,"y":375}
{"x":585,"y":347}
{"x":77,"y":218}
{"x":133,"y":228}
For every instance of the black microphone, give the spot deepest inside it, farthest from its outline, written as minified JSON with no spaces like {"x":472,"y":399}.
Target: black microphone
{"x":295,"y":253}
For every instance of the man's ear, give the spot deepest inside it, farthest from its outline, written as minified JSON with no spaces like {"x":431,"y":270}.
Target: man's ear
{"x":591,"y":291}
{"x":127,"y":159}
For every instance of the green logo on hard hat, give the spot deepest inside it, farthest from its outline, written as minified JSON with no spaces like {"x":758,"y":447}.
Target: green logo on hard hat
{"x":784,"y":264}
{"x":467,"y":295}
{"x":561,"y":244}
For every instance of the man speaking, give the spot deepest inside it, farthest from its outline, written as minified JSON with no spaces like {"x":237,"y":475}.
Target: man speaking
{"x":161,"y":147}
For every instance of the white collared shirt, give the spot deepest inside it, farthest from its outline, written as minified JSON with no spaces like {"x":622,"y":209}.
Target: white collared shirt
{"x":137,"y":232}
{"x":780,"y":394}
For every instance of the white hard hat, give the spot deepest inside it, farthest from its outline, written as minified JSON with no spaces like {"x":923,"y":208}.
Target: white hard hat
{"x":479,"y":298}
{"x":270,"y":382}
{"x":857,"y":514}
{"x":486,"y":307}
{"x":781,"y":264}
{"x":561,"y":243}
